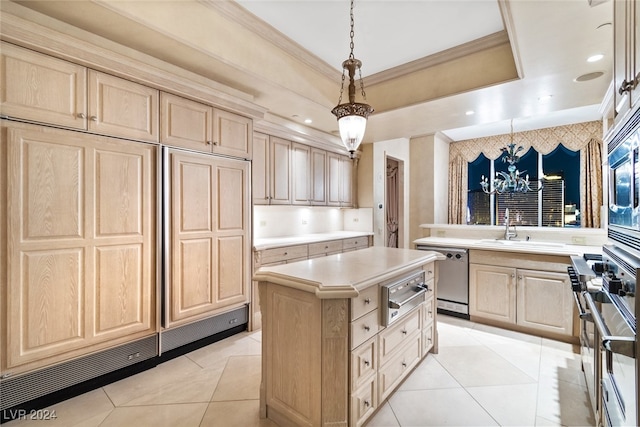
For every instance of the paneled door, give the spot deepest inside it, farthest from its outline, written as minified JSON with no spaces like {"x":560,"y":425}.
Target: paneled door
{"x":209,"y":235}
{"x":81,"y":236}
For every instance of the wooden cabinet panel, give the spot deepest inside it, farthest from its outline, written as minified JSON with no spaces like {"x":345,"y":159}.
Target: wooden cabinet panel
{"x":123,"y":108}
{"x":318,"y":177}
{"x":280,"y":167}
{"x":340,"y":176}
{"x":185,"y":123}
{"x":260,"y":172}
{"x":397,"y":335}
{"x":492,"y":292}
{"x":364,"y":402}
{"x":403,"y":361}
{"x":209,"y":235}
{"x":232,"y":134}
{"x":365,"y":302}
{"x":545,"y":301}
{"x":300,"y":174}
{"x":355,"y":243}
{"x":41,"y":88}
{"x":325,"y":248}
{"x":364,"y":328}
{"x":81,"y":225}
{"x":364,"y":363}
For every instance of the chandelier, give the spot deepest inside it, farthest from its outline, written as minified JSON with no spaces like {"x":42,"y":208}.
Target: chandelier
{"x":352,"y":116}
{"x":511,"y":181}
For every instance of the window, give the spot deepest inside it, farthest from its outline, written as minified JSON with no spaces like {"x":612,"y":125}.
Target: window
{"x":556,"y":205}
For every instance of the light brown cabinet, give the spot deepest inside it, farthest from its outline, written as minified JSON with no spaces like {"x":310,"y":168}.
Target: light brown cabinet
{"x":271,"y":170}
{"x":209,"y":237}
{"x":626,"y":63}
{"x":339,"y":180}
{"x":201,"y":127}
{"x":300,"y":174}
{"x":44,"y":89}
{"x":318,"y":177}
{"x":81,"y":231}
{"x":523,"y":290}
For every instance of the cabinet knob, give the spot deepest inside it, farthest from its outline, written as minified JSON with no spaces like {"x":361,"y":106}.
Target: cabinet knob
{"x":367,"y":328}
{"x":366,"y":403}
{"x":404,"y":365}
{"x":93,"y":118}
{"x":209,"y":142}
{"x":519,"y":277}
{"x":215,"y":143}
{"x":286,"y":253}
{"x":513,"y":276}
{"x":326,"y":247}
{"x":82,"y":116}
{"x":404,"y":332}
{"x":367,"y":301}
{"x":366,"y":363}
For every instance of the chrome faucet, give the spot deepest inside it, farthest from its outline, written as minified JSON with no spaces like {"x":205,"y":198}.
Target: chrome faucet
{"x":508,"y":235}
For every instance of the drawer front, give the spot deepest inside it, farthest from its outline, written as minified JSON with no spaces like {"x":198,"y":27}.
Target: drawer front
{"x":427,"y":339}
{"x":364,"y":402}
{"x":355,"y":243}
{"x":364,"y":363}
{"x":365,"y":302}
{"x":431,"y":287}
{"x":325,"y":248}
{"x":364,"y":328}
{"x":284,"y":254}
{"x":390,"y":375}
{"x":429,"y":271}
{"x":393,"y":338}
{"x":428,"y":312}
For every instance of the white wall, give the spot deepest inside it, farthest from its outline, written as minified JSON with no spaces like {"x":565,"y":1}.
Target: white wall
{"x":398,"y":149}
{"x":441,"y":178}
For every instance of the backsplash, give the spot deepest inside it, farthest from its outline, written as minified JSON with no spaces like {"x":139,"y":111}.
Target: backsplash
{"x":280,"y":221}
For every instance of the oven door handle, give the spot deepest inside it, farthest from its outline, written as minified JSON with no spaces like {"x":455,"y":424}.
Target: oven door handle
{"x":582,"y":313}
{"x":418,"y":294}
{"x":612,"y":343}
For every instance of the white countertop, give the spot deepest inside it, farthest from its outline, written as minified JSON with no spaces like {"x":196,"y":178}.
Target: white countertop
{"x":276,"y":242}
{"x":344,"y":275}
{"x":531,"y":246}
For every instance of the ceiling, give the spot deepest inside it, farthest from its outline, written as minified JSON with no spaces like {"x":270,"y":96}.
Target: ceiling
{"x":426,"y":63}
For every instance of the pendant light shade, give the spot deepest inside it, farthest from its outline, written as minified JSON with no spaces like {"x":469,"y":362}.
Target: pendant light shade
{"x":352,"y":116}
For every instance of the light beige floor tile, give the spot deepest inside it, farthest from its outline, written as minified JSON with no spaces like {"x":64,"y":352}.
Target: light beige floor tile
{"x":480,"y":366}
{"x":564,"y":403}
{"x":179,"y":380}
{"x":454,"y":336}
{"x":429,"y":374}
{"x":455,"y":321}
{"x":493,"y":334}
{"x":237,"y":345}
{"x":240,"y":379}
{"x":88,"y":406}
{"x":452,"y":406}
{"x":543,"y":422}
{"x":383,"y":418}
{"x":181,"y":415}
{"x":523,"y":355}
{"x":240,"y":413}
{"x":563,"y":365}
{"x":509,"y":405}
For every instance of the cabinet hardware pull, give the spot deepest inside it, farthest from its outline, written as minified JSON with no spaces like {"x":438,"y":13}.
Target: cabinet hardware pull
{"x":519,"y":277}
{"x":93,"y":118}
{"x":215,"y":142}
{"x":367,"y":301}
{"x":404,"y":365}
{"x":326,"y":247}
{"x":366,"y":403}
{"x":82,"y":116}
{"x":366,"y":363}
{"x":209,"y":142}
{"x":366,"y":328}
{"x":513,"y":276}
{"x":404,"y":332}
{"x":286,"y":253}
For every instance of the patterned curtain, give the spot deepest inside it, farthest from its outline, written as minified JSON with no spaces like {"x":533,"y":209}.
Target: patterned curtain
{"x":392,"y":206}
{"x":591,"y":183}
{"x":458,"y":169}
{"x":583,"y":137}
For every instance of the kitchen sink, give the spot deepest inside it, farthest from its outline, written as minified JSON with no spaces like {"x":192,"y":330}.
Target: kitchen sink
{"x":525,"y":243}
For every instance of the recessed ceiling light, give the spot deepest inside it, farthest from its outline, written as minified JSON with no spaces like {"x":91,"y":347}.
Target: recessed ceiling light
{"x":595,"y":58}
{"x":308,"y":121}
{"x":589,"y":76}
{"x":470,"y":113}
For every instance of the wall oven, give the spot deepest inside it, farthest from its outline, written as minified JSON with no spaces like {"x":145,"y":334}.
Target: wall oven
{"x":605,"y":296}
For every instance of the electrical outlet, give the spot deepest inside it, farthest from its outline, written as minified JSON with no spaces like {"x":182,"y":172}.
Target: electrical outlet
{"x":578,"y":240}
{"x":356,"y":219}
{"x":263,"y":223}
{"x":440,"y":233}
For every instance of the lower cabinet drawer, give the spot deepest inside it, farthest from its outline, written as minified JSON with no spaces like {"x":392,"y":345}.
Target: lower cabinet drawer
{"x":364,"y":363}
{"x":394,"y":337}
{"x":428,"y":312}
{"x":427,"y":339}
{"x":364,"y":328}
{"x":364,"y":402}
{"x":355,"y":243}
{"x":390,"y":375}
{"x":325,"y":248}
{"x":284,"y":253}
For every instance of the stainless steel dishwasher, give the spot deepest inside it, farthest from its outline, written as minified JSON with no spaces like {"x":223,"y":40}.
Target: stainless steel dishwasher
{"x":453,"y":281}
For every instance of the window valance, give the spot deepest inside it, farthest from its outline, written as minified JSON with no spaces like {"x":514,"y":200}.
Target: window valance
{"x":575,"y":137}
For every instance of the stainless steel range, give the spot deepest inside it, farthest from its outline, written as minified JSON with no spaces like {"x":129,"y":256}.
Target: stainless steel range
{"x":605,"y":291}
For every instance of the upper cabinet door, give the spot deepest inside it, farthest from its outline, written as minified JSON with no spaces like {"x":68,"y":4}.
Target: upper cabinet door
{"x":260,"y":169}
{"x":123,"y":108}
{"x":41,"y":88}
{"x":280,"y":167}
{"x":186,"y":123}
{"x":232,"y":134}
{"x":301,"y":174}
{"x":318,"y":177}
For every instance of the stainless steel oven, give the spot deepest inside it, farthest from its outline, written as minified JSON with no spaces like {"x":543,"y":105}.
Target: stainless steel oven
{"x":401,"y":296}
{"x":609,"y":341}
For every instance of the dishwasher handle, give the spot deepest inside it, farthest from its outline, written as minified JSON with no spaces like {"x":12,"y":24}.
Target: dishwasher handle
{"x":421,"y":290}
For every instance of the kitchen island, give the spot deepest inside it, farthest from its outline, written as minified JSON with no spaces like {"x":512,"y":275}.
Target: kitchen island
{"x":330,"y":356}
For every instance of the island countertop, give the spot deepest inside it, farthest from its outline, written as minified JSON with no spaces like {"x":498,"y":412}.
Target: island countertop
{"x":345,"y":275}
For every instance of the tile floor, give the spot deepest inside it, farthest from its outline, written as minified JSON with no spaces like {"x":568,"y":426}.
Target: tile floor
{"x":482,"y":376}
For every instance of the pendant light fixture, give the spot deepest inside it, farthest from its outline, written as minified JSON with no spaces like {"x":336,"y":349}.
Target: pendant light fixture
{"x":511,"y":181}
{"x":352,"y":116}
